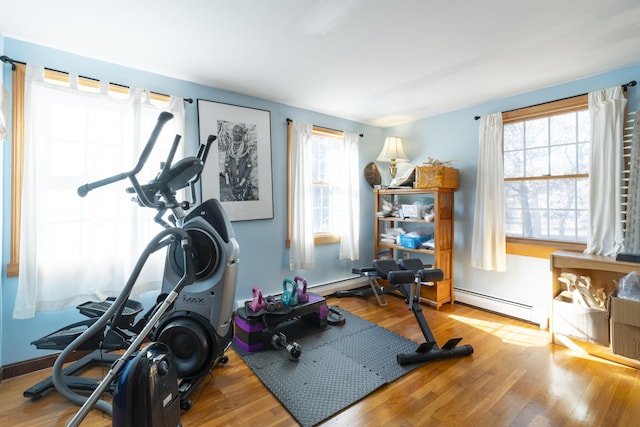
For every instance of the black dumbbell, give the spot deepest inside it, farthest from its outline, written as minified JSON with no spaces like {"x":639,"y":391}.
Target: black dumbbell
{"x":279,"y":340}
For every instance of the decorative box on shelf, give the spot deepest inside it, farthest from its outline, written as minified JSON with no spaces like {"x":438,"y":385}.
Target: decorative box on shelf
{"x":436,"y":177}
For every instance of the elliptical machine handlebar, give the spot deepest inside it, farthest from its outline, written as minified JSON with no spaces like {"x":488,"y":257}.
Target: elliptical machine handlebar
{"x":163,"y":118}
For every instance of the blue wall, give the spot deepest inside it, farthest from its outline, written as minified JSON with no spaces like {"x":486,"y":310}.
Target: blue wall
{"x":454,"y":136}
{"x":264,"y":259}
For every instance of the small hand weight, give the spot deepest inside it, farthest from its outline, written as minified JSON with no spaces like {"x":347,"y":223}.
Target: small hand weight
{"x":303,"y":296}
{"x":289,"y":293}
{"x":257,"y":303}
{"x":279,"y":340}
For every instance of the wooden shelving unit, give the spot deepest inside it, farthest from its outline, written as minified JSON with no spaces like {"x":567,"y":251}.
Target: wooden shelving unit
{"x":442,"y":253}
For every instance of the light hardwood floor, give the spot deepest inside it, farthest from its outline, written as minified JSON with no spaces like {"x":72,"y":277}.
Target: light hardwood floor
{"x":515,"y":377}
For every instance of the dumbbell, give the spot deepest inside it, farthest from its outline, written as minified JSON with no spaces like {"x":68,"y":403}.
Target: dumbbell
{"x":273,"y":304}
{"x":279,"y":340}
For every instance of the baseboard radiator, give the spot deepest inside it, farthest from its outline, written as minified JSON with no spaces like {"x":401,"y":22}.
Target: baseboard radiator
{"x":498,"y":305}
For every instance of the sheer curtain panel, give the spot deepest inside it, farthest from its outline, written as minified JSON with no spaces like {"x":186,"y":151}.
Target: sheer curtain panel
{"x":606,"y":109}
{"x":350,"y":236}
{"x":488,"y":247}
{"x":74,"y":249}
{"x":302,"y":248}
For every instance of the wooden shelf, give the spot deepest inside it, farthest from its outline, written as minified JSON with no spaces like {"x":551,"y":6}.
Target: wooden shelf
{"x":442,"y":225}
{"x":402,"y":248}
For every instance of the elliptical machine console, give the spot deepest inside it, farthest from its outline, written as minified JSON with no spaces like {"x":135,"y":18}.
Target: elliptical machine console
{"x":192,"y":319}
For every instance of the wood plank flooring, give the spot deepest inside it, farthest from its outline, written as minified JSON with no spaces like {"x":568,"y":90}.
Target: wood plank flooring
{"x":515,"y":377}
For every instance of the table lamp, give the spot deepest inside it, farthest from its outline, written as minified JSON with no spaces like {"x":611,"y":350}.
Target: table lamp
{"x":392,"y":152}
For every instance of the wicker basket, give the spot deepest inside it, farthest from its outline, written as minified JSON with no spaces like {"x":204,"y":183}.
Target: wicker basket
{"x":436,"y":177}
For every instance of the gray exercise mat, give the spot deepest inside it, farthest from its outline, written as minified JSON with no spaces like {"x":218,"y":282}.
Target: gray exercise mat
{"x":338,"y":366}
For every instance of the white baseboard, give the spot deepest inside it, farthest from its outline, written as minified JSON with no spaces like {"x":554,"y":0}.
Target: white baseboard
{"x":501,"y":306}
{"x":329,"y":288}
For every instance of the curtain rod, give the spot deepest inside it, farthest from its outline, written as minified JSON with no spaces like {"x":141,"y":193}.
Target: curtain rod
{"x":8,"y":60}
{"x":13,"y":63}
{"x":625,"y":86}
{"x":289,"y":121}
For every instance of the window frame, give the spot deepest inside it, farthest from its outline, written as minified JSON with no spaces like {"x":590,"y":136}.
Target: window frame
{"x":538,"y":248}
{"x":318,"y":238}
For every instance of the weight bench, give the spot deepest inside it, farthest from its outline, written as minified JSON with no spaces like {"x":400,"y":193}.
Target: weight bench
{"x":377,"y":290}
{"x":408,"y":274}
{"x":372,"y":276}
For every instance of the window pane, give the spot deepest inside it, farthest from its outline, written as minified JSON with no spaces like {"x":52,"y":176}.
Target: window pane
{"x":584,"y":126}
{"x":513,"y":222}
{"x":563,"y":159}
{"x":562,"y":224}
{"x":537,"y":162}
{"x":513,"y":138}
{"x":535,"y":195}
{"x":582,"y":225}
{"x":582,"y":193}
{"x":583,"y":157}
{"x":514,"y":193}
{"x":562,"y":129}
{"x":562,"y":194}
{"x":537,"y":133}
{"x":324,"y":209}
{"x":535,"y":203}
{"x":514,"y":164}
{"x":536,"y":224}
{"x":325,"y":159}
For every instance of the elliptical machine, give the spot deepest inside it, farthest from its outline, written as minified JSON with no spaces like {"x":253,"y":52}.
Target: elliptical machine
{"x":191,"y":323}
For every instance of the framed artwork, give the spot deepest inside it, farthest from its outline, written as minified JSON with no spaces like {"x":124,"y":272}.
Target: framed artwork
{"x":238,"y":167}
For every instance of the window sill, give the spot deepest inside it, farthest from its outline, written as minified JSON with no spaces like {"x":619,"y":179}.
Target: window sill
{"x":320,"y":239}
{"x":540,"y":248}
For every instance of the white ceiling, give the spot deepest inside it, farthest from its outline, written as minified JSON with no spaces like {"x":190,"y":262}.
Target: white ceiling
{"x":380,"y":62}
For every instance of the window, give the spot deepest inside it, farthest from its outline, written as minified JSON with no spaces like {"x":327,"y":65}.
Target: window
{"x":327,"y":152}
{"x":546,"y":171}
{"x":70,"y":248}
{"x":327,"y":149}
{"x":17,"y":131}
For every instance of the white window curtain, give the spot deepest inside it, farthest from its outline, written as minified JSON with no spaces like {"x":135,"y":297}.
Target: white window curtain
{"x":606,"y":109}
{"x":350,"y":236}
{"x":632,"y":231}
{"x":75,"y":249}
{"x":488,"y":247}
{"x":302,"y":249}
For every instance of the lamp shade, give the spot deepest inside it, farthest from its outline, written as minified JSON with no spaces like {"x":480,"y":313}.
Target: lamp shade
{"x":392,"y":150}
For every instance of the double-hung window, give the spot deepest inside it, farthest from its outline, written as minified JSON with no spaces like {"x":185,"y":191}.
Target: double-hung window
{"x":546,"y":173}
{"x":326,"y":153}
{"x":323,"y":195}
